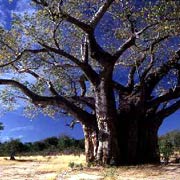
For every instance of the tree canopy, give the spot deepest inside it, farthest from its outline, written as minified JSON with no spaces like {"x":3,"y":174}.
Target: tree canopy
{"x":100,"y":62}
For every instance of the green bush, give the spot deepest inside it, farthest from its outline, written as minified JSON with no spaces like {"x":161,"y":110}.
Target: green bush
{"x":71,"y":165}
{"x":166,"y":149}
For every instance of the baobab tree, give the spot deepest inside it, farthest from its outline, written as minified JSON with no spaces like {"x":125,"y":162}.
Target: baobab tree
{"x":112,"y":65}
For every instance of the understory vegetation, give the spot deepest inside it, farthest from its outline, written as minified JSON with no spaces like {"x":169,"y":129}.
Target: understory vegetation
{"x":169,"y":145}
{"x":49,"y":146}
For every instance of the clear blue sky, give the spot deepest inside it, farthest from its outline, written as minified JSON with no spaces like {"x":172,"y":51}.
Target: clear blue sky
{"x":17,"y":126}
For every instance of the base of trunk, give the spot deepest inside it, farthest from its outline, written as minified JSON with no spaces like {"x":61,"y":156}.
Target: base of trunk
{"x":138,"y":143}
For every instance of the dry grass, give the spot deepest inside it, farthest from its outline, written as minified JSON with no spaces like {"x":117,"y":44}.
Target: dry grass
{"x":38,"y":167}
{"x":56,"y":167}
{"x":60,"y":163}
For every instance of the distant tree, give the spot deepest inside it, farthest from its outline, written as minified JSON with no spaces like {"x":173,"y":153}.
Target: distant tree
{"x":172,"y":137}
{"x":13,"y":146}
{"x":52,"y":141}
{"x":1,"y":145}
{"x":39,"y":146}
{"x":81,"y":144}
{"x":28,"y":147}
{"x":1,"y":126}
{"x":64,"y":142}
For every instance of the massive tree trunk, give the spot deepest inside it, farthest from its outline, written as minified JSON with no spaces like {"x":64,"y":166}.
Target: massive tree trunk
{"x":148,"y":150}
{"x":91,"y":142}
{"x":108,"y":149}
{"x":138,"y":141}
{"x":127,"y":138}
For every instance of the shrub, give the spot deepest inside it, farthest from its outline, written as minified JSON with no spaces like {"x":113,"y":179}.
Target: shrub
{"x":166,"y":149}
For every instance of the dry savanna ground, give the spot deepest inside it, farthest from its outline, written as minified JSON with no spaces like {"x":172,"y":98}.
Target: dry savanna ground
{"x":58,"y":168}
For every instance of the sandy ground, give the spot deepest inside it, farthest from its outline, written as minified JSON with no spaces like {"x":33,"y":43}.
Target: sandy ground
{"x":148,"y":172}
{"x":32,"y":170}
{"x":24,"y":171}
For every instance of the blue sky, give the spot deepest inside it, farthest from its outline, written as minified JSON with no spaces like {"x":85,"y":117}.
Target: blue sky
{"x":17,"y":126}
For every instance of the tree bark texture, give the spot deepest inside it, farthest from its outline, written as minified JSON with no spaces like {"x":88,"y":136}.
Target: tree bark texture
{"x":91,"y":143}
{"x":128,"y":138}
{"x":106,"y":115}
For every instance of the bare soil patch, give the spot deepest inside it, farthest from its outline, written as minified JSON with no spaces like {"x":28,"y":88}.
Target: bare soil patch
{"x":146,"y":172}
{"x":56,"y":168}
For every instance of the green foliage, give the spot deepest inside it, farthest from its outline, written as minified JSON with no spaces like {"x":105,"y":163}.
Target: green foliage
{"x":65,"y":142}
{"x":169,"y":143}
{"x":31,"y":29}
{"x":48,"y":146}
{"x":173,"y":137}
{"x":166,"y":149}
{"x":73,"y":165}
{"x":11,"y":148}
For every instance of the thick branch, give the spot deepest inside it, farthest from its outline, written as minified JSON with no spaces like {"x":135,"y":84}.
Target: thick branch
{"x":89,"y":101}
{"x":87,"y":69}
{"x":169,"y":95}
{"x":49,"y":83}
{"x":119,"y":87}
{"x":147,"y":69}
{"x":82,"y":83}
{"x":130,"y":83}
{"x":97,"y":52}
{"x":63,"y":15}
{"x":100,"y":13}
{"x":41,"y":2}
{"x":169,"y":110}
{"x":23,"y":88}
{"x":130,"y":42}
{"x":153,"y":79}
{"x":18,"y":57}
{"x":85,"y":27}
{"x":59,"y":101}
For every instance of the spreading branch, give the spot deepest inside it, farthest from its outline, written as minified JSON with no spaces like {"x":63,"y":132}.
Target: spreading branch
{"x":19,"y":56}
{"x":169,"y":110}
{"x":131,"y":41}
{"x":126,"y":45}
{"x":169,"y":95}
{"x":100,"y":13}
{"x":153,"y":78}
{"x":37,"y":76}
{"x":85,"y":27}
{"x":87,"y":69}
{"x":59,"y":101}
{"x":85,"y":100}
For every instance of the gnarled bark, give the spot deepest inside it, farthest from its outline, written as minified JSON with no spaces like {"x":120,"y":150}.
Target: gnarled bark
{"x":138,"y":142}
{"x":91,"y":142}
{"x":148,"y":150}
{"x":108,"y":149}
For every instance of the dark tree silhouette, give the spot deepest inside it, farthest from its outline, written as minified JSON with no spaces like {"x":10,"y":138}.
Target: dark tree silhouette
{"x":1,"y":126}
